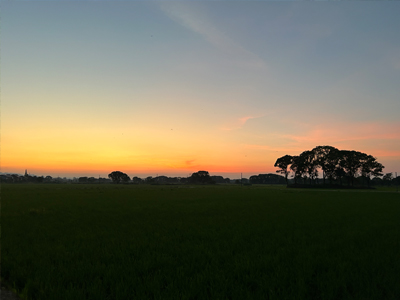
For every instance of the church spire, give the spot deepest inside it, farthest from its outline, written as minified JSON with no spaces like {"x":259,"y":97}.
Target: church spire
{"x":26,"y":173}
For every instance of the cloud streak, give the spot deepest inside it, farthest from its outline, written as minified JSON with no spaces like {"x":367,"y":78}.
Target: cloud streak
{"x":195,"y":19}
{"x":239,"y":123}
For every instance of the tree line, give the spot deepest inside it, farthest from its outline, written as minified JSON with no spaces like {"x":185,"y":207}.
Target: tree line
{"x":200,"y":177}
{"x":336,"y":166}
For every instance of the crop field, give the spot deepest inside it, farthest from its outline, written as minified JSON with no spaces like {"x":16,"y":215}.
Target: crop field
{"x":70,"y":242}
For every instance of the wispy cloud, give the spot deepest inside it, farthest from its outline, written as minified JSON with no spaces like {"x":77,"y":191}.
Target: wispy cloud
{"x":239,"y":122}
{"x":183,"y":165}
{"x":191,"y":16}
{"x":189,"y":163}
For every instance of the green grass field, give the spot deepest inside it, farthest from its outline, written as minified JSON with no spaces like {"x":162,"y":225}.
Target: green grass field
{"x":205,"y":242}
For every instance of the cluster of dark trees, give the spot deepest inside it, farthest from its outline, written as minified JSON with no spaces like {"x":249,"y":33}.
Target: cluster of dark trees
{"x":91,"y":180}
{"x":336,"y":166}
{"x":267,"y":179}
{"x":200,"y":177}
{"x":15,"y":178}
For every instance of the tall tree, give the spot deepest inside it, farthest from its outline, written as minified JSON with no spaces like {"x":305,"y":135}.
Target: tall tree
{"x":351,"y":162}
{"x":339,"y":173}
{"x":309,"y":163}
{"x":297,"y":167}
{"x":327,"y":158}
{"x":331,"y":164}
{"x":283,"y":164}
{"x":370,"y":167}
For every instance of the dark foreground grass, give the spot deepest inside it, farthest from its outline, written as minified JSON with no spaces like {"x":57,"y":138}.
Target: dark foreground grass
{"x":222,"y":242}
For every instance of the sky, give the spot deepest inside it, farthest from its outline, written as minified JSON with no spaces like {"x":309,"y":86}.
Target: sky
{"x":173,"y":87}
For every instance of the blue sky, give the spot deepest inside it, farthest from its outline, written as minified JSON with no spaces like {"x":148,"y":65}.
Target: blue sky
{"x":176,"y":86}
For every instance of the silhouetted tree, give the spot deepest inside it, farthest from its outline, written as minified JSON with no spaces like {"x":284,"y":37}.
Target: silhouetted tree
{"x":283,"y":164}
{"x":125,"y":178}
{"x":82,"y":179}
{"x":309,"y":164}
{"x":184,"y":180}
{"x":137,"y":180}
{"x":201,"y":177}
{"x":294,"y":166}
{"x":92,"y":180}
{"x":118,"y":176}
{"x":267,"y":179}
{"x":339,"y":173}
{"x":298,"y":167}
{"x":377,"y":181}
{"x":6,"y":178}
{"x":370,"y":167}
{"x":149,"y":179}
{"x":220,"y":179}
{"x":387,"y":178}
{"x":351,"y":162}
{"x":161,"y":179}
{"x":327,"y":158}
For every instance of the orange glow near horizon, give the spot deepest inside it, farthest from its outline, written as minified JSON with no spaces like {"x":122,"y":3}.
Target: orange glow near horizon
{"x":100,"y":151}
{"x":98,"y":156}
